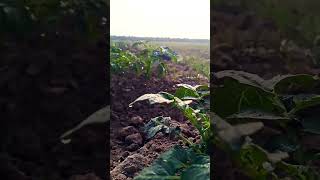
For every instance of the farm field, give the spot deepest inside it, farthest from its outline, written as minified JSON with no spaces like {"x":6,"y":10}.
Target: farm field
{"x":133,"y":147}
{"x":264,"y":93}
{"x":194,"y":53}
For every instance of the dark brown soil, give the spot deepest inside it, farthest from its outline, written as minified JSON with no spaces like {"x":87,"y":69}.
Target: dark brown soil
{"x":242,"y":41}
{"x":130,"y":151}
{"x":47,"y":86}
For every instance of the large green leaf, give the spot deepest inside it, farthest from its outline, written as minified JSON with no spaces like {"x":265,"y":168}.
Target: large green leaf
{"x":281,"y":84}
{"x":234,"y":97}
{"x":178,"y":161}
{"x":243,"y":78}
{"x":159,"y":98}
{"x":288,"y":84}
{"x":186,"y":91}
{"x":197,"y":171}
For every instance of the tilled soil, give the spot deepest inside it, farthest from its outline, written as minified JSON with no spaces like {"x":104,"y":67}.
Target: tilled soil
{"x":130,"y":151}
{"x":242,"y":41}
{"x":48,"y":86}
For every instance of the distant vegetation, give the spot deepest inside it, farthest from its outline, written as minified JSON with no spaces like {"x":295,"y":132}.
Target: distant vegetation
{"x":132,"y":38}
{"x":192,"y":52}
{"x":140,"y":57}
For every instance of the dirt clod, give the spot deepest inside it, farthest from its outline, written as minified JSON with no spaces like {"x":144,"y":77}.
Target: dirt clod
{"x":136,"y":121}
{"x":126,"y":131}
{"x":134,"y":138}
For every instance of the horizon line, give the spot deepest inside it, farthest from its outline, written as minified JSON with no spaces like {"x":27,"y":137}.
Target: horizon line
{"x":160,"y":37}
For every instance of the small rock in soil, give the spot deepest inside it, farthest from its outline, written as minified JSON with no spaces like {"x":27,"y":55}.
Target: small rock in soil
{"x":136,"y":121}
{"x":126,"y":131}
{"x":133,"y":147}
{"x":130,"y":169}
{"x":131,"y":165}
{"x":134,"y":138}
{"x":125,"y":154}
{"x":155,"y":147}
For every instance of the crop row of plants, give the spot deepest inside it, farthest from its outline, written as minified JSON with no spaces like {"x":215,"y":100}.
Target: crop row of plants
{"x":191,"y":161}
{"x":265,"y":125}
{"x":141,"y":58}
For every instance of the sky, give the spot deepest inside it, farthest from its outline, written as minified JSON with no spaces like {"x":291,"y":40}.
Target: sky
{"x":160,"y":18}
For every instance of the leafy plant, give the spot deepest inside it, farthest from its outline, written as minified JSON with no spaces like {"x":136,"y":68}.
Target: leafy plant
{"x":140,"y":57}
{"x":181,"y":163}
{"x":178,"y":163}
{"x":100,"y":116}
{"x":244,"y":104}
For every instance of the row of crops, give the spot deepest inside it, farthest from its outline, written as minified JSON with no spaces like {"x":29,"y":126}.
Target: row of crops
{"x":265,"y":126}
{"x":141,"y":58}
{"x":189,"y":160}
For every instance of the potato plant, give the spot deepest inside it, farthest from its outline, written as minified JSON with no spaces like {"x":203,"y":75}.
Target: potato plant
{"x":140,"y":57}
{"x":180,"y":162}
{"x":264,"y":124}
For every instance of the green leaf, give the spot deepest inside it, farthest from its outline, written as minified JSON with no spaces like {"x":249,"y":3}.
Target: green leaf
{"x":252,"y":159}
{"x":257,"y":115}
{"x":234,"y":97}
{"x":186,"y":91}
{"x":100,"y":116}
{"x":257,"y":162}
{"x":304,"y":101}
{"x":198,"y":171}
{"x":243,"y":78}
{"x":298,"y":171}
{"x":155,"y":98}
{"x":159,"y":124}
{"x":162,"y":70}
{"x":288,"y":84}
{"x":177,"y":161}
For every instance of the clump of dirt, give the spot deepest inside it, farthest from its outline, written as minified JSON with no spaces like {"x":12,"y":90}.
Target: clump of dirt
{"x":48,"y":85}
{"x":130,"y":151}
